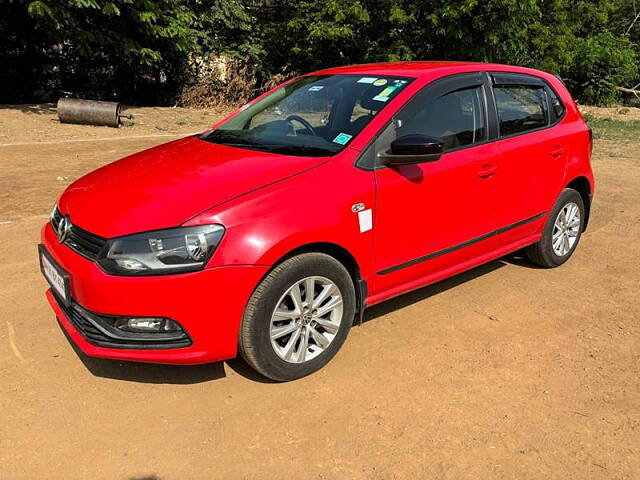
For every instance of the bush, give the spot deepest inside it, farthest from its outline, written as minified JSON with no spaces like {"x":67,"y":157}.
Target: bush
{"x":224,"y":82}
{"x":600,"y":64}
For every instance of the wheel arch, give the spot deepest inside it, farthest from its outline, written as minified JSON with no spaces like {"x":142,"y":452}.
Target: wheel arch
{"x":342,"y":255}
{"x":583,"y":187}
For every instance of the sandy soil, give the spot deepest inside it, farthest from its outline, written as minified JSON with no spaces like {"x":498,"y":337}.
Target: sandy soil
{"x":39,"y":123}
{"x":507,"y":371}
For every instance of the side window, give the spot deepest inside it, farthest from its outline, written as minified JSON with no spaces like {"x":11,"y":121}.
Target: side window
{"x":556,"y":105}
{"x":457,"y":117}
{"x":521,"y":108}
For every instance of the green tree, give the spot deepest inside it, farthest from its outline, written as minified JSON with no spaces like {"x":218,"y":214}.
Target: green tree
{"x":142,"y":50}
{"x":117,"y":48}
{"x":602,"y":63}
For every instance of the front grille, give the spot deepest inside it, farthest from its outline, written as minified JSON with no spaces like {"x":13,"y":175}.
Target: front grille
{"x":86,"y":244}
{"x":87,"y":324}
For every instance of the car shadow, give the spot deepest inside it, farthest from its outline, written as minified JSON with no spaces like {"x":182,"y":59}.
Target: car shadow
{"x":163,"y":374}
{"x":148,"y":372}
{"x":424,"y":293}
{"x":519,"y":259}
{"x":192,"y":374}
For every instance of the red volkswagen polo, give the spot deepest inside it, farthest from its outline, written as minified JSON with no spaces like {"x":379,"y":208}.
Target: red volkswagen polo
{"x":271,"y":232}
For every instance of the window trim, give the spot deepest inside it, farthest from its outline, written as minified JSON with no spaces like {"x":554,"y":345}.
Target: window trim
{"x":508,"y":78}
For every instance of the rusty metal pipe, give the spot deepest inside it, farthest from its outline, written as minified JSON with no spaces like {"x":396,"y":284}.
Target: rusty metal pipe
{"x":89,"y":112}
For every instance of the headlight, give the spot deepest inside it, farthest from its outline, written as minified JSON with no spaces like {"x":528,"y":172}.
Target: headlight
{"x":174,"y":250}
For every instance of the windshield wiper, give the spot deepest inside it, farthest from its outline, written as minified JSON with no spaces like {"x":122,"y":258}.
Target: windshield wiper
{"x":220,"y":136}
{"x":231,"y":140}
{"x":300,"y":149}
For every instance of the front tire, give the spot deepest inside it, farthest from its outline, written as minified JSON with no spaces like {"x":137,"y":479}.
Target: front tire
{"x":562,"y":232}
{"x":298,"y":317}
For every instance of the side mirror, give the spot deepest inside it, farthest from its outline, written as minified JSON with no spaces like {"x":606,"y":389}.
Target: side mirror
{"x":412,"y":149}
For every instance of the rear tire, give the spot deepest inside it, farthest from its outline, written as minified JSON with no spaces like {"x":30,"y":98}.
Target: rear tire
{"x":562,"y":232}
{"x":298,"y":317}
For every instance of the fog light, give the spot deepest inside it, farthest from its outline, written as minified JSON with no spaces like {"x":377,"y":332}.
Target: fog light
{"x":147,"y":325}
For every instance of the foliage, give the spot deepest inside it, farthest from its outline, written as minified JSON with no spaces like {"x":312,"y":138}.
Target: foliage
{"x":600,"y":64}
{"x":108,"y":48}
{"x":151,"y":51}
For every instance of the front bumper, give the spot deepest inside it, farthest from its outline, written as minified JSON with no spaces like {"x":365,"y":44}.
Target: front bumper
{"x":208,"y":304}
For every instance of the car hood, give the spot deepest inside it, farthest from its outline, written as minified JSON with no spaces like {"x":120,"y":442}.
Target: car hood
{"x":166,"y":185}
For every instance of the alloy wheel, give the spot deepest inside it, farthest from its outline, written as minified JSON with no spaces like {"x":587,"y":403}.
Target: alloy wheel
{"x":306,"y":319}
{"x":566,"y":229}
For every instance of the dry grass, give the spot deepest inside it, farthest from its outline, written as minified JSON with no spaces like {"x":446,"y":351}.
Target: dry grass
{"x":228,"y":85}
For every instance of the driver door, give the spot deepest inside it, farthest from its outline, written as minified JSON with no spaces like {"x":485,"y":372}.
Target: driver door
{"x":429,"y":216}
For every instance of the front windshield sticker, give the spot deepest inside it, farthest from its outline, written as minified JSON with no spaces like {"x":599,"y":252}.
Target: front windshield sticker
{"x":316,"y":88}
{"x":380,"y":82}
{"x":383,"y":96}
{"x":388,"y":91}
{"x":368,"y":80}
{"x":342,"y":138}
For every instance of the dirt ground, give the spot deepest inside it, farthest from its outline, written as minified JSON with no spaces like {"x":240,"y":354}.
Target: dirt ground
{"x":620,"y":114}
{"x":505,"y":372}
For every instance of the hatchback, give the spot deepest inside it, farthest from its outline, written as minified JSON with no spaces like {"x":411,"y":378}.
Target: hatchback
{"x":270,"y":233}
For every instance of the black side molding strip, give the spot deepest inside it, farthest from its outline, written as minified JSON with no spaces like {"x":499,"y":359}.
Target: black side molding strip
{"x":460,"y":245}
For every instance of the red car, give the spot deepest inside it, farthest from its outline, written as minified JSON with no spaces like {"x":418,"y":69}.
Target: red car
{"x":273,"y":231}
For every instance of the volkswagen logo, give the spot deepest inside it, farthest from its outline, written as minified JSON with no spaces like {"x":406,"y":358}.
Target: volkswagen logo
{"x":63,"y":229}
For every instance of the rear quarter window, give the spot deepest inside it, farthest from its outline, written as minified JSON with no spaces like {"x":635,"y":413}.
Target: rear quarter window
{"x":521,"y":108}
{"x":556,"y":106}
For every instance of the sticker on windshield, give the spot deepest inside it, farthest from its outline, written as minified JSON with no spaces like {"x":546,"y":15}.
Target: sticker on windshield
{"x":383,"y":96}
{"x":387,"y":91}
{"x":316,"y":88}
{"x":342,"y":138}
{"x":380,"y":82}
{"x":368,"y":80}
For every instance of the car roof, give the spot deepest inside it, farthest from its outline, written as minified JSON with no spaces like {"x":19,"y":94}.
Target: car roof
{"x":419,"y":69}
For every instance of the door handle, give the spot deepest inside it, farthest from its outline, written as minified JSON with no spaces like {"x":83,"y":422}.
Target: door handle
{"x":487,"y":170}
{"x":557,"y":151}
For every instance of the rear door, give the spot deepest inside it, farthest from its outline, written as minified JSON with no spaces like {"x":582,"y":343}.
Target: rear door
{"x":533,"y":151}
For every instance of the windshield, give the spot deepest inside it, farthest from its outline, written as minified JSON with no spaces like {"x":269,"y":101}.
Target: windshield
{"x":311,"y":116}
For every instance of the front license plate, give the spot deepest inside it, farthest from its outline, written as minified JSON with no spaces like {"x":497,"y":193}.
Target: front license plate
{"x":56,"y":277}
